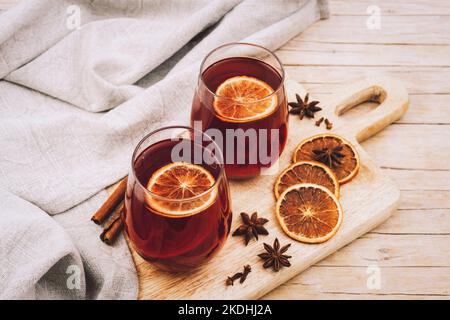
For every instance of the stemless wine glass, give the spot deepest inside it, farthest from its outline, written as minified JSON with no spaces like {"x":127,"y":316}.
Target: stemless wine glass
{"x":177,"y":204}
{"x":240,"y":95}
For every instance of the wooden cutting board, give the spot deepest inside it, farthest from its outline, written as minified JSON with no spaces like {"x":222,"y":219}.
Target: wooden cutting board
{"x":367,"y":200}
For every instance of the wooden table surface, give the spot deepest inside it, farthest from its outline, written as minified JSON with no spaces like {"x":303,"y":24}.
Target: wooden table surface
{"x":411,"y":251}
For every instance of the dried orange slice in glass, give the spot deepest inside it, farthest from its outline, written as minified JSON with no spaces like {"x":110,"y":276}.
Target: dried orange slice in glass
{"x":181,"y":189}
{"x":243,"y":99}
{"x":333,"y":151}
{"x":307,"y":172}
{"x":309,"y":213}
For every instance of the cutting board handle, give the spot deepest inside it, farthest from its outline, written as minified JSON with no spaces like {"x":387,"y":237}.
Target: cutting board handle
{"x":391,"y":95}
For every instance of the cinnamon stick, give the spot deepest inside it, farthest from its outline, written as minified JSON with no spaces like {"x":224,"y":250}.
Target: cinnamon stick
{"x":114,"y":226}
{"x":111,"y":203}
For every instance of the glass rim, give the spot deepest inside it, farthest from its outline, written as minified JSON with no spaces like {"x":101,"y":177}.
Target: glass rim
{"x":158,"y":197}
{"x":275,"y":92}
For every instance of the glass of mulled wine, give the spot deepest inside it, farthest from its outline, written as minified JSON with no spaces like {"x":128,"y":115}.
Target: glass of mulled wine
{"x":240,"y":101}
{"x":177,"y":204}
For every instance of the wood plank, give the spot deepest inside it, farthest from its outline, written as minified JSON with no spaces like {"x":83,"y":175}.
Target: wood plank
{"x":428,"y":88}
{"x":424,"y":199}
{"x":388,"y":7}
{"x":420,"y":180}
{"x":412,"y":147}
{"x":328,"y":79}
{"x":439,"y":89}
{"x":344,"y":54}
{"x":432,"y":109}
{"x":349,"y":296}
{"x":394,"y":30}
{"x":423,"y":109}
{"x":400,"y":281}
{"x":425,"y":222}
{"x":6,"y":4}
{"x":393,"y":251}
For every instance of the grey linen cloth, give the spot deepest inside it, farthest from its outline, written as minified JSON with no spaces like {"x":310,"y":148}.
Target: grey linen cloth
{"x":80,"y":83}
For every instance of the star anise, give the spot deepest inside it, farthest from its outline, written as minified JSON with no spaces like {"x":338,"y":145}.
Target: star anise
{"x":304,"y":108}
{"x":251,"y":227}
{"x":275,"y":257}
{"x":329,"y":156}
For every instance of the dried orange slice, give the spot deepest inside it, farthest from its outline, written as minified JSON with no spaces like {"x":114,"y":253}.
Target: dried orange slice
{"x":180,"y":181}
{"x":243,"y":99}
{"x":307,"y":172}
{"x":333,"y":151}
{"x":309,"y":213}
